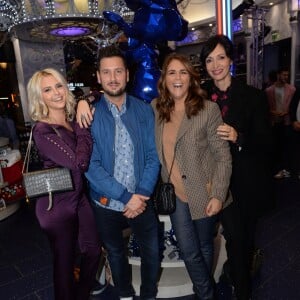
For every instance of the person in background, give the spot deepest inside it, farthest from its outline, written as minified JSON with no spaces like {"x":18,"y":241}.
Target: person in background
{"x":8,"y":128}
{"x":62,"y":143}
{"x":198,"y":162}
{"x":272,"y":78}
{"x":247,"y":129}
{"x":78,"y":93}
{"x":294,"y":113}
{"x":280,"y":95}
{"x":123,"y":171}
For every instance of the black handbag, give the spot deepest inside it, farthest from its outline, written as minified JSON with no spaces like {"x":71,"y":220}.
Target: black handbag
{"x":47,"y":181}
{"x":164,"y":197}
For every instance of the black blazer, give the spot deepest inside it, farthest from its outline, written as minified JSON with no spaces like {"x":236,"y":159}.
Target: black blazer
{"x":251,"y":180}
{"x":294,"y":105}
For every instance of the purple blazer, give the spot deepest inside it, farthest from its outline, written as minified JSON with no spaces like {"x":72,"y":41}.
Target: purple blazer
{"x":65,"y":148}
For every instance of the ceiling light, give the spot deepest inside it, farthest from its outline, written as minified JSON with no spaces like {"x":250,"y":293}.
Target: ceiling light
{"x":57,"y":19}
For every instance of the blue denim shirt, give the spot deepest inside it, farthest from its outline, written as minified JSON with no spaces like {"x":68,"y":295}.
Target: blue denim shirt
{"x":139,"y":122}
{"x":123,"y":170}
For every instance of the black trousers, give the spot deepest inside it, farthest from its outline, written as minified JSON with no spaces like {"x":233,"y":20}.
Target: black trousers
{"x":282,"y":147}
{"x":239,"y":233}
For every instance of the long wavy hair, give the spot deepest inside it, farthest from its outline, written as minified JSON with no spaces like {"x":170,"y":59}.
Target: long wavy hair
{"x":194,"y":101}
{"x":38,"y":110}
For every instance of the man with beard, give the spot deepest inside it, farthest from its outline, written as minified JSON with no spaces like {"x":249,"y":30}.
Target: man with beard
{"x":122,"y":174}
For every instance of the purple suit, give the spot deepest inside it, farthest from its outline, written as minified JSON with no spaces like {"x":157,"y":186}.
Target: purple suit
{"x":71,"y":219}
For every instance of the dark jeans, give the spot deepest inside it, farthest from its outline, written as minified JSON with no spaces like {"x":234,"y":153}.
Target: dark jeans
{"x":195,"y":241}
{"x":282,"y":147}
{"x":110,"y":225}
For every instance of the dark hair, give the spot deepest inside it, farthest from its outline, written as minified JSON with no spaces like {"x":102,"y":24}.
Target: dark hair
{"x":212,"y":43}
{"x":272,"y":76}
{"x":110,"y":51}
{"x":195,"y":98}
{"x":283,"y":69}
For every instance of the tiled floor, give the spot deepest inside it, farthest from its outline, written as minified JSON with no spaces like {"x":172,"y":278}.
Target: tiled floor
{"x":25,"y":259}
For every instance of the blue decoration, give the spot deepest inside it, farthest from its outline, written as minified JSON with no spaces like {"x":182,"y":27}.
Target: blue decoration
{"x":167,"y":245}
{"x":133,"y":247}
{"x":173,"y":252}
{"x":154,"y":22}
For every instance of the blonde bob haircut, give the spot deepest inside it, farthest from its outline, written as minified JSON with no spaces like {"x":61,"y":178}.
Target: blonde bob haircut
{"x":37,"y":108}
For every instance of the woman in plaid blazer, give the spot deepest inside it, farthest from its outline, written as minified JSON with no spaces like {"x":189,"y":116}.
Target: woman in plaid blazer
{"x":198,"y":162}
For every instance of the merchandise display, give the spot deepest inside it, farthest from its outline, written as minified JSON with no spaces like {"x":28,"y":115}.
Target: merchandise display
{"x":11,"y":187}
{"x":13,"y":192}
{"x":11,"y":168}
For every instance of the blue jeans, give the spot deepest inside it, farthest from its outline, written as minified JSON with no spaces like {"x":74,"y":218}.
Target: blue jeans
{"x":195,"y":241}
{"x":110,"y":225}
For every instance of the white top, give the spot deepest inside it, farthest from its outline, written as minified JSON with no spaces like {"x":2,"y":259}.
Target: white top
{"x":279,"y":98}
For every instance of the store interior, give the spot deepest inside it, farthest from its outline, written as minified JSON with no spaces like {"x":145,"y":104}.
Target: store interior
{"x":26,"y":45}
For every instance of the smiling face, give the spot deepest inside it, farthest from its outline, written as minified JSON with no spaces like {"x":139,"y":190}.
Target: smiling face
{"x":54,"y":93}
{"x":177,"y":80}
{"x":283,"y":77}
{"x":113,"y":76}
{"x":218,"y":66}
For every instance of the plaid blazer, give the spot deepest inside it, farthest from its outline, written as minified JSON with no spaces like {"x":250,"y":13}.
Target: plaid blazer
{"x":203,"y":158}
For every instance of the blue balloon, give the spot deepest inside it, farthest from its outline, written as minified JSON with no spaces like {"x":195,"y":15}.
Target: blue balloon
{"x":154,"y":22}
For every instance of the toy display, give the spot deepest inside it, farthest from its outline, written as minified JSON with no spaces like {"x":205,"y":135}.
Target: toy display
{"x":154,"y":22}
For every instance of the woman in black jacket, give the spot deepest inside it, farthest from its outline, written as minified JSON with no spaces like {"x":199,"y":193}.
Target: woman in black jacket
{"x":247,"y":129}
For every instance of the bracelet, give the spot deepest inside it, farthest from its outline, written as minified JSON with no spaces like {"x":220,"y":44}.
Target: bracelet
{"x":85,"y":98}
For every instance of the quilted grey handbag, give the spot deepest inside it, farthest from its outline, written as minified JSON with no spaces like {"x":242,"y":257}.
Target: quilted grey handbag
{"x":47,"y":181}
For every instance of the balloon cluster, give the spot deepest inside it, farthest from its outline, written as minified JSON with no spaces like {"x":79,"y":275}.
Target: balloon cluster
{"x":153,"y":22}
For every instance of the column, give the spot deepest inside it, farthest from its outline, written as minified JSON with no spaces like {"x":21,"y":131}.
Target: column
{"x":34,"y":56}
{"x":224,"y":17}
{"x":294,"y":47}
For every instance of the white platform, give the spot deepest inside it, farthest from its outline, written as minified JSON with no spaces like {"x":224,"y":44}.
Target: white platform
{"x":9,"y":210}
{"x":174,"y":280}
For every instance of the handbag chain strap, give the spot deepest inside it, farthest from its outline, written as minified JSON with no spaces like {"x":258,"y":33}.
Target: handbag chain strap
{"x":28,"y":149}
{"x":172,"y":164}
{"x":27,"y":154}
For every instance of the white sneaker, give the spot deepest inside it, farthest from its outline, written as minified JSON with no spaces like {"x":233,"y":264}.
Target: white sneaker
{"x":99,"y":288}
{"x":286,"y":173}
{"x":282,"y":174}
{"x":126,"y":298}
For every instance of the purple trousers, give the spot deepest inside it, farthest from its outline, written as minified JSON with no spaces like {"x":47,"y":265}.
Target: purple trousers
{"x":70,"y":226}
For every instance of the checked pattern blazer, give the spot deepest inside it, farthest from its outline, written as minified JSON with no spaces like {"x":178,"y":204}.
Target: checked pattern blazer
{"x":204,"y":159}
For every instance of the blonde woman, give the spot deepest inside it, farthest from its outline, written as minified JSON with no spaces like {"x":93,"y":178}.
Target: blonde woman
{"x":61,"y":142}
